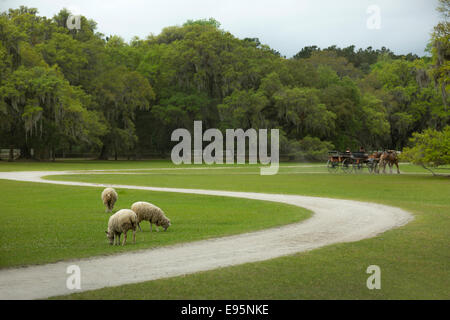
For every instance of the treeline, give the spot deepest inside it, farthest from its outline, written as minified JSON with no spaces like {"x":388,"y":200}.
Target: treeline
{"x":76,"y":91}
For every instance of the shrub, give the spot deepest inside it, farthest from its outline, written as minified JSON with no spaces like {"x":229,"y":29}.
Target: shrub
{"x":310,"y":149}
{"x":431,"y":148}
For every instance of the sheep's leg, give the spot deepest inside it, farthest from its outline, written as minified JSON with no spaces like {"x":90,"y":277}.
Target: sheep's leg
{"x":124,"y":238}
{"x":134,"y":235}
{"x":139,"y":227}
{"x":118,"y":241}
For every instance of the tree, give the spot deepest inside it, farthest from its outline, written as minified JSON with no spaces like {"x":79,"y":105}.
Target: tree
{"x":409,"y":96}
{"x":440,"y":41}
{"x":429,"y":149}
{"x":376,"y":126}
{"x":67,"y":53}
{"x":64,"y":89}
{"x":344,"y":100}
{"x":339,"y":64}
{"x":309,"y":149}
{"x":243,"y":109}
{"x":306,"y":52}
{"x":43,"y":111}
{"x":119,"y":94}
{"x":203,"y":22}
{"x":300,"y":110}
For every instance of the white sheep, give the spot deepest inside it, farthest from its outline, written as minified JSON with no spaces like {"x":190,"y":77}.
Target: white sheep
{"x":151,"y":213}
{"x":120,"y":222}
{"x":109,"y":198}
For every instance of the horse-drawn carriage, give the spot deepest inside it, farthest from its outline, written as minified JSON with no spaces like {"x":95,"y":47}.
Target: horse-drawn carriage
{"x":358,"y":161}
{"x":352,"y":162}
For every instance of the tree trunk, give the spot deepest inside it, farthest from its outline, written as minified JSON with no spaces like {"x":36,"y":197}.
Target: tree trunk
{"x":11,"y":154}
{"x":434,"y":174}
{"x":25,"y":152}
{"x":103,"y":153}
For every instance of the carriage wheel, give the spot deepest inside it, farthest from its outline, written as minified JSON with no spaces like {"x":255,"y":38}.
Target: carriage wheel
{"x":332,"y":166}
{"x":375,"y":167}
{"x":347,"y":165}
{"x":371,"y":166}
{"x":357,"y":167}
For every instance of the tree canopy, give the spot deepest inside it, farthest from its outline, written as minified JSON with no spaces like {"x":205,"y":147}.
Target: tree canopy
{"x":69,"y":91}
{"x":430,"y":148}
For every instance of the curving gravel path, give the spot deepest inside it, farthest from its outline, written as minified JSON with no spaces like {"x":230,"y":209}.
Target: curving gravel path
{"x":333,"y":221}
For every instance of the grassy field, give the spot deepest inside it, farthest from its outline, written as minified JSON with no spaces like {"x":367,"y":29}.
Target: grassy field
{"x":414,"y":259}
{"x":400,"y":189}
{"x":91,"y":165}
{"x":43,"y":223}
{"x":157,"y":165}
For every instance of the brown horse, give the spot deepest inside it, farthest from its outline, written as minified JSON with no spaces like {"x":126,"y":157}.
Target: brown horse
{"x":389,"y":157}
{"x":375,"y":157}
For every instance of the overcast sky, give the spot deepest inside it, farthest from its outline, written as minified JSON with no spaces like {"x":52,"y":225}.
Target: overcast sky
{"x":285,"y":25}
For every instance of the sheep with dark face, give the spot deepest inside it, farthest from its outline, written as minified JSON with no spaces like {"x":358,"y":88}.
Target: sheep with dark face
{"x":120,"y":222}
{"x":109,"y":198}
{"x":151,"y":213}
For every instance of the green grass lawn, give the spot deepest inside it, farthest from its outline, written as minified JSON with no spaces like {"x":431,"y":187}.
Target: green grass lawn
{"x":398,"y":190}
{"x":79,"y":165}
{"x":157,"y":165}
{"x":414,"y":259}
{"x":92,"y":165}
{"x":42,"y":223}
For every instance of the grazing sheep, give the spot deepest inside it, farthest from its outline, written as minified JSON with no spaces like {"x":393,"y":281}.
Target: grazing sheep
{"x":109,"y":198}
{"x":120,"y":222}
{"x":151,"y":213}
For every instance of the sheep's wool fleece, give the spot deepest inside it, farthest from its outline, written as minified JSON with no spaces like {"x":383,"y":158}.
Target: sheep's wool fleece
{"x":109,"y":194}
{"x":122,"y":221}
{"x":147,"y":211}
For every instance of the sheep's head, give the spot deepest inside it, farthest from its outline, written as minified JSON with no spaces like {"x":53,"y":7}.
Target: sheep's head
{"x":110,"y":237}
{"x":165,"y":223}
